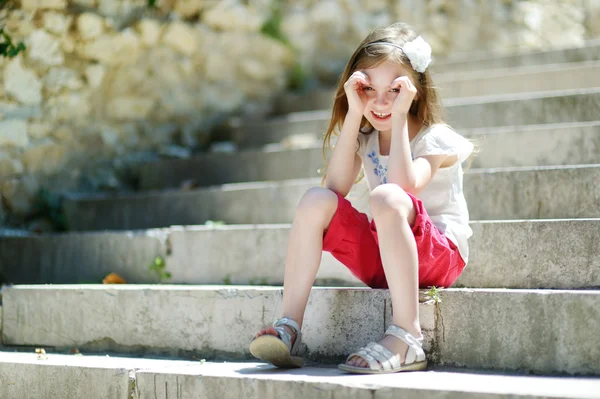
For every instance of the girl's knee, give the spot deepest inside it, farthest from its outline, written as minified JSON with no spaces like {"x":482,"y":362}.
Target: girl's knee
{"x":318,"y":201}
{"x":389,"y":199}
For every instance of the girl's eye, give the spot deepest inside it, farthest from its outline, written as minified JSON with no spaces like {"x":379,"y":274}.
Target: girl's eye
{"x":395,"y":90}
{"x":367,"y":88}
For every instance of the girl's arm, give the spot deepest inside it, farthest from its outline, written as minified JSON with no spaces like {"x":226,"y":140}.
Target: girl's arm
{"x":412,"y":176}
{"x":345,"y":163}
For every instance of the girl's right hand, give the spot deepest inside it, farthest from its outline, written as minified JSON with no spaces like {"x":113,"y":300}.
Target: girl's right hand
{"x":357,"y":99}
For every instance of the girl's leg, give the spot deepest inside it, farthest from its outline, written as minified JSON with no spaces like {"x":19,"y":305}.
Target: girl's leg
{"x":305,"y":247}
{"x":394,"y":214}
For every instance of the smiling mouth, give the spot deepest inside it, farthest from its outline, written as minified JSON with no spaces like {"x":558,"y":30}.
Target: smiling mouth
{"x":381,"y":117}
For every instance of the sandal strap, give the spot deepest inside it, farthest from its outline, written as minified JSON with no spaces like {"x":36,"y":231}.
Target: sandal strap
{"x":298,"y":348}
{"x":415,"y":351}
{"x":387,"y":359}
{"x":377,"y":356}
{"x":365,"y":354}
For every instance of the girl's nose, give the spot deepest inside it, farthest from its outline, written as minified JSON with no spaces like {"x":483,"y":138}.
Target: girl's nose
{"x":381,"y":99}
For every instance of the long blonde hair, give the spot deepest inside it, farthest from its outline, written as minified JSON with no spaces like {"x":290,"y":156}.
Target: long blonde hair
{"x":426,"y":107}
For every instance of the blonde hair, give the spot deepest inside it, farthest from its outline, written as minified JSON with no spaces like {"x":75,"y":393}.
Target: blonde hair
{"x":426,"y":106}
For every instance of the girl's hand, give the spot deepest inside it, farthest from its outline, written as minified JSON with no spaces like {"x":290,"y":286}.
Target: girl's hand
{"x":357,"y":99}
{"x":407,"y":92}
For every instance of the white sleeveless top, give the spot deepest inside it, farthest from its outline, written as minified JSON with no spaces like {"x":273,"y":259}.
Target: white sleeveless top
{"x":443,"y":197}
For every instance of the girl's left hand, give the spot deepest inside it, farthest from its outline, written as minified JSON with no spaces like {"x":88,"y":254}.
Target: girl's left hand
{"x":405,"y":97}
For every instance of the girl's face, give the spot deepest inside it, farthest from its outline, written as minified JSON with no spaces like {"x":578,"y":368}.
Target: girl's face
{"x":380,"y":94}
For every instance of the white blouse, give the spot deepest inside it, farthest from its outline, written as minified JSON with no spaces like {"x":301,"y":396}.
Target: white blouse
{"x":443,"y":197}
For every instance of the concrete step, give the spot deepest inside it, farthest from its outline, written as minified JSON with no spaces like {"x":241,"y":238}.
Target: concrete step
{"x":471,"y":83}
{"x":579,"y":105}
{"x":518,"y":254}
{"x":473,"y":328}
{"x":63,"y":376}
{"x":460,"y":62}
{"x":536,"y":78}
{"x":492,"y":194}
{"x":536,"y":145}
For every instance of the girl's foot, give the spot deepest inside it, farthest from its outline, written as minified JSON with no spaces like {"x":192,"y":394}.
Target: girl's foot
{"x":391,"y":343}
{"x":397,"y":351}
{"x":271,"y":331}
{"x":280,"y":345}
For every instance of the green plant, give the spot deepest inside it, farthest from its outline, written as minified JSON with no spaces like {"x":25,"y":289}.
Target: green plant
{"x":49,"y":205}
{"x":434,"y":294}
{"x":7,"y":47}
{"x":227,"y":279}
{"x":296,"y":77}
{"x":272,"y":27}
{"x":258,"y":281}
{"x":214,"y":223}
{"x":159,"y":267}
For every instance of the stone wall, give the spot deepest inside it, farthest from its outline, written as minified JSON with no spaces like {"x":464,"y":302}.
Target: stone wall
{"x":104,"y":84}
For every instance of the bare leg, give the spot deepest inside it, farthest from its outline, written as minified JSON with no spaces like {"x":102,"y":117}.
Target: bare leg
{"x":394,"y":215}
{"x":313,"y":215}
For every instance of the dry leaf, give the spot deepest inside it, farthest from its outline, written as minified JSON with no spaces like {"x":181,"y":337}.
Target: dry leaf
{"x":113,"y":278}
{"x":41,"y":354}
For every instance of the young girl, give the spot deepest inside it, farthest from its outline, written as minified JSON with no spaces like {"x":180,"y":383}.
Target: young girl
{"x":389,"y":121}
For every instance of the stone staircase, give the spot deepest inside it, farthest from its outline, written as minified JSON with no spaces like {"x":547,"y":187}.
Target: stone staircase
{"x":521,"y":322}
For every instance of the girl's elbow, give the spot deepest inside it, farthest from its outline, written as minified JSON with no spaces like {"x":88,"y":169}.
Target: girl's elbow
{"x":411,"y":189}
{"x":343,"y":191}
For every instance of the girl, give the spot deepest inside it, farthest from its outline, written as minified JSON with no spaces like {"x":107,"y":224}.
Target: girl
{"x":390,"y":123}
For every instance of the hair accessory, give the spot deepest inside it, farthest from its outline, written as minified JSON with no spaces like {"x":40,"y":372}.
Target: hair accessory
{"x":418,"y":52}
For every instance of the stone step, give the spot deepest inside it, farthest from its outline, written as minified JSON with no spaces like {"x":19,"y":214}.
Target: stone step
{"x":579,"y":105}
{"x":473,"y":328}
{"x":470,"y":83}
{"x":519,"y":80}
{"x":492,"y":194}
{"x":536,"y":145}
{"x":589,"y":51}
{"x":64,"y":376}
{"x":513,"y":254}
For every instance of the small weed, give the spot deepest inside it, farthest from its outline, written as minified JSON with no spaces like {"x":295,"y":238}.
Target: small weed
{"x":258,"y":281}
{"x":159,"y":267}
{"x":227,"y":280}
{"x":296,"y":77}
{"x":7,"y":47}
{"x":49,"y":205}
{"x":434,"y":293}
{"x":272,"y":27}
{"x":214,"y":223}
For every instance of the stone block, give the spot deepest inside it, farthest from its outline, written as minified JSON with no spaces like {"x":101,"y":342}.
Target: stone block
{"x":90,"y":26}
{"x":44,"y":48}
{"x":22,"y":83}
{"x":502,"y":254}
{"x":24,"y":375}
{"x":46,"y":157}
{"x":13,"y":132}
{"x":32,"y":5}
{"x":524,"y":193}
{"x":558,"y":335}
{"x":223,"y":318}
{"x":150,"y":32}
{"x":181,"y":37}
{"x":57,"y":23}
{"x":9,"y":166}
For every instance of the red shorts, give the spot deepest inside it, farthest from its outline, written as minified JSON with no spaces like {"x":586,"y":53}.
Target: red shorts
{"x":352,"y":240}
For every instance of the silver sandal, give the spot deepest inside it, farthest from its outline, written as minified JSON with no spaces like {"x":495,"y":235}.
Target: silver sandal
{"x":279,"y":350}
{"x":382,"y":361}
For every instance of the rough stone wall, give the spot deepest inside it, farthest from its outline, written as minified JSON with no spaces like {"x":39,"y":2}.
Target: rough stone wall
{"x":105,"y":83}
